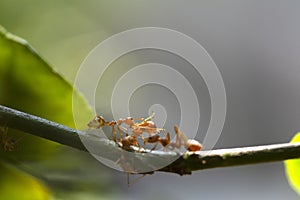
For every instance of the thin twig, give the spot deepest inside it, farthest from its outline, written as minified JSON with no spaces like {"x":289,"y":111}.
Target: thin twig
{"x":185,"y":164}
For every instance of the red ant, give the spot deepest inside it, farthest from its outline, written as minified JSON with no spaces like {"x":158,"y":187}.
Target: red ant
{"x":146,"y":125}
{"x":189,"y":144}
{"x":127,"y":141}
{"x":99,"y":122}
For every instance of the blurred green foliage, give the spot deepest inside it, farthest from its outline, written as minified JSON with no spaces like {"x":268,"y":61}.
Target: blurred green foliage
{"x":29,"y":84}
{"x":292,"y":168}
{"x":15,"y":185}
{"x":63,"y":32}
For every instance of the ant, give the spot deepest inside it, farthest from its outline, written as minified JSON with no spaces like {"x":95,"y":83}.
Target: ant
{"x":146,"y":125}
{"x":157,"y":139}
{"x":8,"y":143}
{"x":127,"y":141}
{"x":189,"y":144}
{"x":99,"y":122}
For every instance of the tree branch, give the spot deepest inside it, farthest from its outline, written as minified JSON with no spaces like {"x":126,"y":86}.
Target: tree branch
{"x":185,"y":164}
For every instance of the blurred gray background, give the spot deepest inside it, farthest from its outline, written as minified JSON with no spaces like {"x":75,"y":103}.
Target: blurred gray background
{"x":255,"y":45}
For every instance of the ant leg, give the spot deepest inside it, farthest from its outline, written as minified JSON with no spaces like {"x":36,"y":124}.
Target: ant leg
{"x":114,"y":133}
{"x":177,"y":143}
{"x":147,"y":119}
{"x":124,"y":129}
{"x":154,"y":147}
{"x":139,"y":119}
{"x":151,"y":130}
{"x":165,"y":142}
{"x":120,"y":131}
{"x":135,"y":180}
{"x":179,"y":137}
{"x":160,"y":129}
{"x":150,"y":117}
{"x":128,"y":183}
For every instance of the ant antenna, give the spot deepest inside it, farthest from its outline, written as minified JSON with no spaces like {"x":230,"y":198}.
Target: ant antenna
{"x":128,"y":184}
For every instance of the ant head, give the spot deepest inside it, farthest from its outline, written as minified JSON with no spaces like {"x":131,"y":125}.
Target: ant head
{"x":101,"y":121}
{"x":97,"y":122}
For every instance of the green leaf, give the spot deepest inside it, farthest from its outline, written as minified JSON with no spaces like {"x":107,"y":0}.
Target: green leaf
{"x":292,"y":169}
{"x":15,"y":185}
{"x":29,"y":84}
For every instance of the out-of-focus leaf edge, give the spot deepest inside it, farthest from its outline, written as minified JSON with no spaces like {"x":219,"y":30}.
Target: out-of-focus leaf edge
{"x":78,"y":98}
{"x":25,"y":44}
{"x":292,"y":169}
